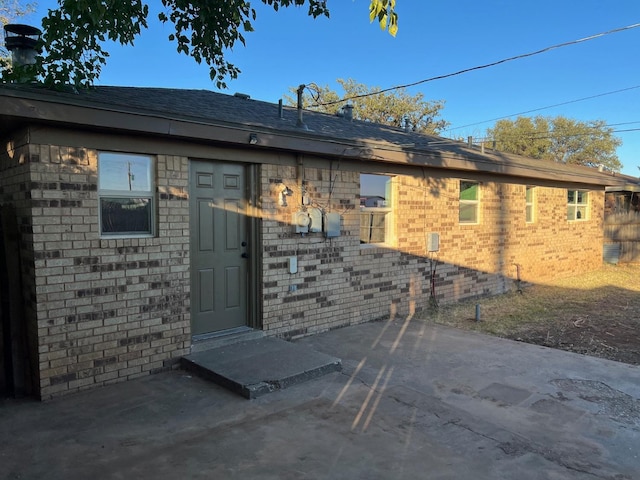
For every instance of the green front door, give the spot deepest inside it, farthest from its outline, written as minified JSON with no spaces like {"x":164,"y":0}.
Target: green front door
{"x":218,"y":246}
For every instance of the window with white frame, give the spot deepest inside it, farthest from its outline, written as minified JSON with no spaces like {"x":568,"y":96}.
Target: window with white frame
{"x":125,"y":194}
{"x":469,"y":201}
{"x":530,"y":203}
{"x":375,"y":209}
{"x":577,"y":204}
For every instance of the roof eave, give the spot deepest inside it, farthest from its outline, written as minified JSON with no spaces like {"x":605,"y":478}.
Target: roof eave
{"x":34,"y":108}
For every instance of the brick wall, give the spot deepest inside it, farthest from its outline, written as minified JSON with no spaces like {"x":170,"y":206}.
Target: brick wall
{"x":107,"y":310}
{"x":341,"y":282}
{"x":321,"y":295}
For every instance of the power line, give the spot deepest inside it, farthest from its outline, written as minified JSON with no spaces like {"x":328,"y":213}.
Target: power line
{"x":551,"y":135}
{"x":480,"y":67}
{"x":596,"y":128}
{"x":544,"y":108}
{"x":621,"y":123}
{"x":627,"y":130}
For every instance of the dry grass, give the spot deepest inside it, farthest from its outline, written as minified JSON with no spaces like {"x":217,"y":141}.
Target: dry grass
{"x":596,"y":314}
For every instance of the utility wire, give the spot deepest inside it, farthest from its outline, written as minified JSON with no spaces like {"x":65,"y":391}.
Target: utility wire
{"x":628,"y":130}
{"x":551,"y":135}
{"x":480,"y":67}
{"x":616,"y":124}
{"x":597,"y":128}
{"x":544,"y":108}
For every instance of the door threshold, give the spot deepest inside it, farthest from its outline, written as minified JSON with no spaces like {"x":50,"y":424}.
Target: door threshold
{"x":207,"y":341}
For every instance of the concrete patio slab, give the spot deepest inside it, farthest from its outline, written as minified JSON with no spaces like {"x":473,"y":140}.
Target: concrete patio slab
{"x":413,"y":401}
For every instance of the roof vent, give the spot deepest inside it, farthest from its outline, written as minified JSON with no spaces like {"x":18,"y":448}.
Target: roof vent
{"x":22,"y":40}
{"x":348,"y":112}
{"x":244,"y":96}
{"x":300,"y":123}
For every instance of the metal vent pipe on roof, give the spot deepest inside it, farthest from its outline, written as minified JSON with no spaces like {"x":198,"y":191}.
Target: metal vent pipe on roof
{"x":348,"y":112}
{"x":22,"y":40}
{"x":300,"y":123}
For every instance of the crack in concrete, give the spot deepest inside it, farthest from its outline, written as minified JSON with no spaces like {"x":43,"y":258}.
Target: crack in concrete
{"x":515,"y":447}
{"x":458,"y":423}
{"x":521,"y":446}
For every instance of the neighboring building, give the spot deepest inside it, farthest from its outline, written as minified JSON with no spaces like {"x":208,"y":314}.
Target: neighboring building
{"x":622,"y":222}
{"x":373,"y":201}
{"x":146,"y":220}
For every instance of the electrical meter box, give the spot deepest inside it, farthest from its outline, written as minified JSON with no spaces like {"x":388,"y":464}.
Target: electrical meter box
{"x":332,"y":225}
{"x":300,"y":221}
{"x":433,"y":242}
{"x":315,"y":214}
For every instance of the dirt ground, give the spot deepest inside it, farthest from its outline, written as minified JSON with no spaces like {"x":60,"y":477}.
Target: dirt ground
{"x":595,"y":314}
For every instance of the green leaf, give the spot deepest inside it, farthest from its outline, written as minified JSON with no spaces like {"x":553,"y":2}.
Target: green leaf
{"x":393,"y":25}
{"x":382,"y":19}
{"x":374,"y":9}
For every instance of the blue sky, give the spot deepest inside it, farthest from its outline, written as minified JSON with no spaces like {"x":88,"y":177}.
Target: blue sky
{"x":435,"y":38}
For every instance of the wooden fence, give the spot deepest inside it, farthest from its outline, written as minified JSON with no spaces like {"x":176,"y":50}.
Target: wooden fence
{"x":623,"y":229}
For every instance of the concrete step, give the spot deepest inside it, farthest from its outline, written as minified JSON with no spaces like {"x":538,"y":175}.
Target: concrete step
{"x":259,"y":366}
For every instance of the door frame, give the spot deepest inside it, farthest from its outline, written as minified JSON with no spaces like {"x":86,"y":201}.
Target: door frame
{"x":254,"y":235}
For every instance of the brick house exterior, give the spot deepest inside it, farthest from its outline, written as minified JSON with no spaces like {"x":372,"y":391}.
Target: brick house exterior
{"x":99,"y":309}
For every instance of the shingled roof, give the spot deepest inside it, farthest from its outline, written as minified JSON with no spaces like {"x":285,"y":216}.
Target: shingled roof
{"x":202,"y":115}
